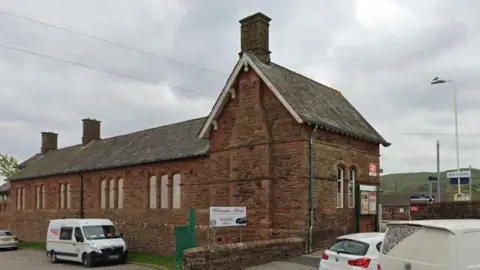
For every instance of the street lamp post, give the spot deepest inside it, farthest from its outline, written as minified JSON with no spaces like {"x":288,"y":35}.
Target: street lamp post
{"x":436,"y":80}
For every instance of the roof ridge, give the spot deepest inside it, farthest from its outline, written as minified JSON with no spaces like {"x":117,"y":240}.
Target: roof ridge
{"x":152,"y":128}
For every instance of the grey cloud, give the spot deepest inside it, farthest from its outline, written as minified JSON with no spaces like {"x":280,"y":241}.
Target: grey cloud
{"x":384,"y":73}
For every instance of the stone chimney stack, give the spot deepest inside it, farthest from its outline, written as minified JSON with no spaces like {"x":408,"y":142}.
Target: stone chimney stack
{"x":49,"y":142}
{"x":91,"y":130}
{"x":254,"y":36}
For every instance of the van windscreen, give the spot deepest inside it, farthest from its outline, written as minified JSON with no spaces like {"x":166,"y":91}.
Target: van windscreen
{"x":396,"y":234}
{"x":100,"y":232}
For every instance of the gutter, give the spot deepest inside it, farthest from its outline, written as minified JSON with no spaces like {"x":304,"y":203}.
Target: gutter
{"x":310,"y":220}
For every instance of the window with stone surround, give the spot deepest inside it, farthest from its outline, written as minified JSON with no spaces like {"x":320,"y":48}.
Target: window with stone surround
{"x":176,"y":191}
{"x":351,"y":187}
{"x":64,"y":194}
{"x":19,"y":198}
{"x":44,"y":197}
{"x":111,"y":194}
{"x":153,"y":192}
{"x":40,"y":196}
{"x":69,"y":196}
{"x":340,"y":174}
{"x":164,"y":191}
{"x":120,"y":193}
{"x":103,"y":194}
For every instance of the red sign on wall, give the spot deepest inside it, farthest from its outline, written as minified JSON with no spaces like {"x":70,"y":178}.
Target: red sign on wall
{"x":413,"y":208}
{"x":372,"y":169}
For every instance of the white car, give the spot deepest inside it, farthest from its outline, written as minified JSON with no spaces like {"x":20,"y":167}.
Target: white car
{"x":8,"y":240}
{"x":353,"y":252}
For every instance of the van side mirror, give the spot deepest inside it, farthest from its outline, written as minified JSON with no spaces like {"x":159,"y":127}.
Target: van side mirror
{"x":79,"y":239}
{"x":121,"y":235}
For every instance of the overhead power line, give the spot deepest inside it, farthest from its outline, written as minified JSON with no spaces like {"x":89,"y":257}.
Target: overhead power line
{"x":110,"y":42}
{"x":428,"y":134}
{"x":95,"y":68}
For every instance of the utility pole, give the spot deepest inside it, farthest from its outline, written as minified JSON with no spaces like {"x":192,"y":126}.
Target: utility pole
{"x":439,"y":187}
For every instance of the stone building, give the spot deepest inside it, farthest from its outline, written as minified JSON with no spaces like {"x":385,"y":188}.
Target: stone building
{"x":272,"y":138}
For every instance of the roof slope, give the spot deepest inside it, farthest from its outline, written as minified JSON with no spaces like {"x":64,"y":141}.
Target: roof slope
{"x":168,"y":142}
{"x":318,"y":104}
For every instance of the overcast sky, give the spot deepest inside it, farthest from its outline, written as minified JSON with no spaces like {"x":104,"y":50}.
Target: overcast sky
{"x":381,"y":54}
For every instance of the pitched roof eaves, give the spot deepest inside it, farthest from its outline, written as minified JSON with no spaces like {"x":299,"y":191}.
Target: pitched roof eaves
{"x":101,"y":168}
{"x":327,"y":126}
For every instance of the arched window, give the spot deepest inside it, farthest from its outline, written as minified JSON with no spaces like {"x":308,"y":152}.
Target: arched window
{"x":176,"y":191}
{"x":153,"y":192}
{"x":351,"y":188}
{"x":339,"y":187}
{"x":103,"y":194}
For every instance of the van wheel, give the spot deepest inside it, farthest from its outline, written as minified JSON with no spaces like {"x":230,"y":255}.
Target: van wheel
{"x":87,"y":260}
{"x":53,"y":257}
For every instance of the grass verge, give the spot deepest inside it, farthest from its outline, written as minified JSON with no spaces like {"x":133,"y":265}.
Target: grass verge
{"x":134,"y":257}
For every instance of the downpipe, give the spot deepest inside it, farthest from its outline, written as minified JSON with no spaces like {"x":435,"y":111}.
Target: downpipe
{"x":310,"y":220}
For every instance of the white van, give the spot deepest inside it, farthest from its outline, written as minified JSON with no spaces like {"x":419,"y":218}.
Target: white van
{"x":431,"y":244}
{"x":89,"y":241}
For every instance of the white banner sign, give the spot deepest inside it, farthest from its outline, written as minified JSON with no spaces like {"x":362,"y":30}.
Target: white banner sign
{"x":460,"y":174}
{"x":228,"y":216}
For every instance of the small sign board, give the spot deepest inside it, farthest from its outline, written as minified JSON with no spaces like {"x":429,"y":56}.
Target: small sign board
{"x":221,"y":216}
{"x":460,"y":174}
{"x":463,"y":181}
{"x":372,"y":169}
{"x":421,"y":198}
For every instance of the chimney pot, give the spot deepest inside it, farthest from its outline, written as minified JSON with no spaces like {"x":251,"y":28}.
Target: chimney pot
{"x":91,"y":130}
{"x":49,"y":142}
{"x":254,"y":36}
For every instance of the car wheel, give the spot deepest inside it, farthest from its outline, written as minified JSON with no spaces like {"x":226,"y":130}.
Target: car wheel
{"x":125,"y":258}
{"x":15,"y":248}
{"x":87,"y":260}
{"x":53,"y":257}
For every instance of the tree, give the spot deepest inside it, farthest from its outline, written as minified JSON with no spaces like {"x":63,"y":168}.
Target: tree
{"x":8,"y":165}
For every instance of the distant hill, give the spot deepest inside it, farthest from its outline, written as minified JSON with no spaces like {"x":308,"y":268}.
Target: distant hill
{"x":417,"y":183}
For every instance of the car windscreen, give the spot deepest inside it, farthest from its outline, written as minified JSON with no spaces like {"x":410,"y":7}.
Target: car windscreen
{"x":100,"y":232}
{"x":5,"y":233}
{"x":348,"y":246}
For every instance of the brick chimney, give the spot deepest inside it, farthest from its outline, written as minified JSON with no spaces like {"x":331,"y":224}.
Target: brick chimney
{"x":91,"y":130}
{"x":49,"y":142}
{"x":254,"y":36}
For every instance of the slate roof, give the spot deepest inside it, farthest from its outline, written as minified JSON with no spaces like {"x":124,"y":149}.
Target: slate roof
{"x":318,"y":104}
{"x":175,"y":141}
{"x":4,"y":187}
{"x":394,"y":200}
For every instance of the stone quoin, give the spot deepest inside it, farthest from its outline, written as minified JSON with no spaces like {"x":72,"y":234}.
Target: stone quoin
{"x":254,"y":149}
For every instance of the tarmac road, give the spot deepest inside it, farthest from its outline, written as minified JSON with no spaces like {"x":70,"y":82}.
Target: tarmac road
{"x":305,"y":262}
{"x":28,"y":260}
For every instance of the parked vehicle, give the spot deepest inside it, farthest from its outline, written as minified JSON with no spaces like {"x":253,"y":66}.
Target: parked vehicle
{"x":8,"y":240}
{"x":431,"y":244}
{"x":353,"y":251}
{"x":89,"y":241}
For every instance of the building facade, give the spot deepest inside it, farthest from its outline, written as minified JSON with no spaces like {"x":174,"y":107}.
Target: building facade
{"x":288,"y":148}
